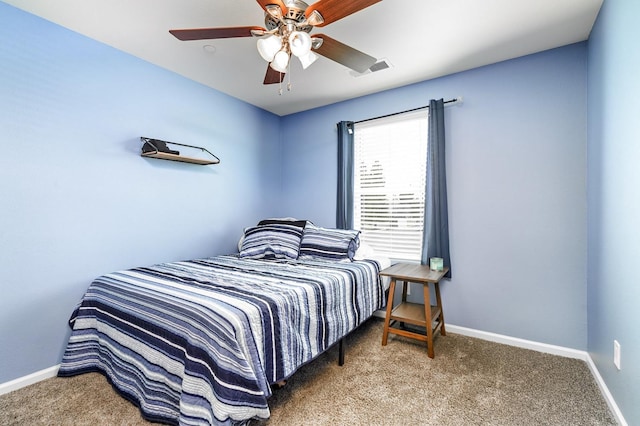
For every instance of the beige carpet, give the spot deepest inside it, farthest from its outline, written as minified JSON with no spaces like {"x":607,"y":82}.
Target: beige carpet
{"x":470,"y":382}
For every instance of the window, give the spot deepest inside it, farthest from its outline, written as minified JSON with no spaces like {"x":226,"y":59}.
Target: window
{"x":390,"y":156}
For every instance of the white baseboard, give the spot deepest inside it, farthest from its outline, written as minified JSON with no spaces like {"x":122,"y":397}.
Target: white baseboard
{"x":380,"y":313}
{"x":605,"y":392}
{"x":484,"y":335}
{"x":520,"y":343}
{"x":30,"y":379}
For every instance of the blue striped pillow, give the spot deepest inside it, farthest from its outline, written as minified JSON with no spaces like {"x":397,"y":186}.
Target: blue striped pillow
{"x":329,"y":244}
{"x":274,"y":241}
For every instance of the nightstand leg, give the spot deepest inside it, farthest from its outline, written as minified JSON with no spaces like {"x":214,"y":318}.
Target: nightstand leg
{"x":385,"y":332}
{"x":427,"y":317}
{"x":405,"y":285}
{"x":439,"y":301}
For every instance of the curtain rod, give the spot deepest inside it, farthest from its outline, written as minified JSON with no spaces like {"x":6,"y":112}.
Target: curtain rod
{"x":450,"y":101}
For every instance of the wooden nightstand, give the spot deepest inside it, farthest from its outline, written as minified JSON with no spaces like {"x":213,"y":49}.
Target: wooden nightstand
{"x":427,"y":316}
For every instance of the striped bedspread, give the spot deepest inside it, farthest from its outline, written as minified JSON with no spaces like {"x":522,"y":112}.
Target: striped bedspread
{"x":200,"y":342}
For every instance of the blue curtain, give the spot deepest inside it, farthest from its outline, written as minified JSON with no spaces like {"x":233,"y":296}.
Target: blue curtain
{"x":344,"y":210}
{"x":436,"y":220}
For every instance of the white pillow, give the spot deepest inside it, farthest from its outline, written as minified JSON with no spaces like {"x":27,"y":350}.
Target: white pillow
{"x":365,"y":251}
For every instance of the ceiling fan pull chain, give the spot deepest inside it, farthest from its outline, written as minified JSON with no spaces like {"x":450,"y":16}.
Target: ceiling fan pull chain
{"x":289,"y":77}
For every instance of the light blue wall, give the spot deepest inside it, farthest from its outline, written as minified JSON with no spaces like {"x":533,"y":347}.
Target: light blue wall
{"x":516,"y":157}
{"x":78,"y":200}
{"x":614,"y":200}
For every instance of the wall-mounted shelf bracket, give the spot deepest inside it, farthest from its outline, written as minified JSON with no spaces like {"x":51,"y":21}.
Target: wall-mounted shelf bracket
{"x":156,"y":148}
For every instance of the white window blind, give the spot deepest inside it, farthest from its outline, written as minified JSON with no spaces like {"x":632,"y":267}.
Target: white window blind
{"x":390,"y":156}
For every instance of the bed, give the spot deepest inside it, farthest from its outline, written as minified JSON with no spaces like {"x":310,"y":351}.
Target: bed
{"x":202,"y":341}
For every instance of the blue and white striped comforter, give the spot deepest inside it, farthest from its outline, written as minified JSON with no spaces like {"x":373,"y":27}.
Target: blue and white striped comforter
{"x":200,"y":342}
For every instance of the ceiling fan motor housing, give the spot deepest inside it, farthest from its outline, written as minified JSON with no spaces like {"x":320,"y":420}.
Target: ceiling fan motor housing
{"x":295,"y":15}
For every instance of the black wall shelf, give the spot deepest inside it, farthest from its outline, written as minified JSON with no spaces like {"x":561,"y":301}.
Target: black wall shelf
{"x":156,"y":148}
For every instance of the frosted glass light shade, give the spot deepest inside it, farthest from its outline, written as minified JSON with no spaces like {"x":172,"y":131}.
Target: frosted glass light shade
{"x":300,"y":43}
{"x":269,"y":46}
{"x":307,"y":59}
{"x":280,"y":61}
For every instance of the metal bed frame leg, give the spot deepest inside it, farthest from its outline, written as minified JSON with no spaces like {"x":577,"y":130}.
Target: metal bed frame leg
{"x":341,"y":352}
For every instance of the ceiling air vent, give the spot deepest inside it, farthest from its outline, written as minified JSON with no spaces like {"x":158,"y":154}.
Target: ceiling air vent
{"x":382,"y":64}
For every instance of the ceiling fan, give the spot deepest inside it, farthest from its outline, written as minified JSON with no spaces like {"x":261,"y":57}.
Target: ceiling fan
{"x":288,"y":24}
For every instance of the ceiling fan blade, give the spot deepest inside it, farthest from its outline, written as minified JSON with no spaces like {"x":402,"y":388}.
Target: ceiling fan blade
{"x":272,"y":76}
{"x":211,"y":33}
{"x":333,"y":10}
{"x":263,"y":4}
{"x":343,"y":54}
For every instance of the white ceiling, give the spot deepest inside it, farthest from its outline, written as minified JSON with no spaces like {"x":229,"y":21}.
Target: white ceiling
{"x":421,"y":39}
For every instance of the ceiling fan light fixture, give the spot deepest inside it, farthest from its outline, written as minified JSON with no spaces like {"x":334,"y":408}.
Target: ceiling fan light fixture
{"x":268,"y":47}
{"x":280,"y":61}
{"x":300,"y":43}
{"x":307,"y":59}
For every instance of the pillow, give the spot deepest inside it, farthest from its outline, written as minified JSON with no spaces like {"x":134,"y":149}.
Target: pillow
{"x":240,"y":242}
{"x":284,"y":221}
{"x":365,"y":251}
{"x":277,"y":220}
{"x":329,"y":244}
{"x":276,"y":241}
